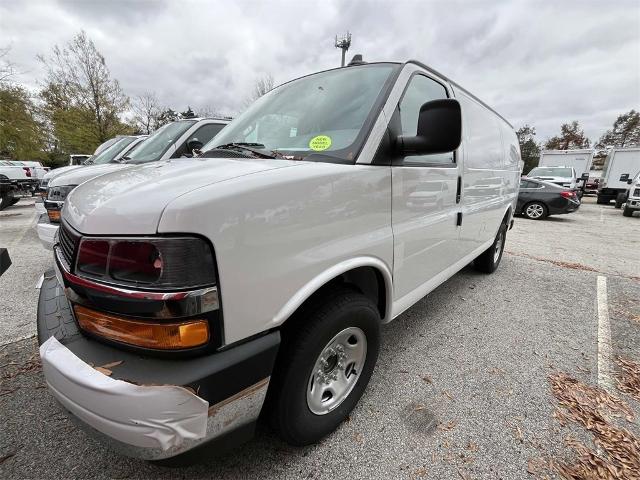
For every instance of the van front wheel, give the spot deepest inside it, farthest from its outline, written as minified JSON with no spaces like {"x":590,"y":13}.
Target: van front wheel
{"x":489,"y":260}
{"x":325,"y":363}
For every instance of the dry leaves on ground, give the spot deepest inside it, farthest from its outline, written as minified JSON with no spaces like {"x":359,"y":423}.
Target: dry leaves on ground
{"x":592,"y":408}
{"x":629,"y":378}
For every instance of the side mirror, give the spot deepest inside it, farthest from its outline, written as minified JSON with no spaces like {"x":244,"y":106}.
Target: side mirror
{"x":624,"y":177}
{"x":194,"y":144}
{"x":630,"y":181}
{"x":5,"y":261}
{"x":585,"y":176}
{"x":439,"y":129}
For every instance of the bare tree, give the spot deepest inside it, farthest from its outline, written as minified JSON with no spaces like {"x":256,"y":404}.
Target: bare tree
{"x":147,"y":112}
{"x":81,"y":74}
{"x":262,"y":85}
{"x":625,"y":131}
{"x":571,"y":137}
{"x":7,"y":67}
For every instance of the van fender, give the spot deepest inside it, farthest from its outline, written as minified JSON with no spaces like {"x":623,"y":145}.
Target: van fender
{"x":319,"y":281}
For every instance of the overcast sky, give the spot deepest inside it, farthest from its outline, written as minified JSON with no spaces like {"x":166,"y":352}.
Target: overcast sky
{"x":541,"y":63}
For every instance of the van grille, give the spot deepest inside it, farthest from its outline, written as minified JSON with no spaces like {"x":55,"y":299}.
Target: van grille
{"x":68,"y":243}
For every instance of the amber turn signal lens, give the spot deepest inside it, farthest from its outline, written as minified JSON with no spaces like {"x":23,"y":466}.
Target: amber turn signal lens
{"x":161,"y":336}
{"x":54,"y":215}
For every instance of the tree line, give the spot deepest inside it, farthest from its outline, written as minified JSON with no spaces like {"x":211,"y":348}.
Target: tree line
{"x":78,"y":106}
{"x":625,"y":132}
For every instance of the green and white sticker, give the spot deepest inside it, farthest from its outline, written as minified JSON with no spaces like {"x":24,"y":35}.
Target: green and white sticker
{"x":320,"y":143}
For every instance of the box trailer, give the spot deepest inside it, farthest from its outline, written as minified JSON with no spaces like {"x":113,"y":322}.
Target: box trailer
{"x":580,"y":160}
{"x":621,"y":165}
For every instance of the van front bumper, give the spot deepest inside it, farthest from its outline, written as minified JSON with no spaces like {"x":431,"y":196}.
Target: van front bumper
{"x":148,"y":407}
{"x":46,"y":231}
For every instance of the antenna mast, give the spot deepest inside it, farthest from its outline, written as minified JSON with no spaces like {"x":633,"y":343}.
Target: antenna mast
{"x":343,"y":43}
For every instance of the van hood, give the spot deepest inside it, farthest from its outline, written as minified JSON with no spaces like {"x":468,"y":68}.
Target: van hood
{"x":84,"y":173}
{"x":59,"y":171}
{"x":131,"y":200}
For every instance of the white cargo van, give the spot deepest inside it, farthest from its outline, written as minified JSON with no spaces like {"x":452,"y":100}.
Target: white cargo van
{"x":620,"y":165}
{"x":263,"y":268}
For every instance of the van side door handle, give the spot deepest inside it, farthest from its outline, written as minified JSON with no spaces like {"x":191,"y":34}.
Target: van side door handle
{"x":459,"y":190}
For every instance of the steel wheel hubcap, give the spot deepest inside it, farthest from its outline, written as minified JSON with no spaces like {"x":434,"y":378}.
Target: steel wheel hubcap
{"x":535,"y":210}
{"x":336,"y":370}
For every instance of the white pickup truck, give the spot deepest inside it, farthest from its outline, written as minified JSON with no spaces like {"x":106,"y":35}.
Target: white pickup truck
{"x":16,"y":180}
{"x":256,"y":276}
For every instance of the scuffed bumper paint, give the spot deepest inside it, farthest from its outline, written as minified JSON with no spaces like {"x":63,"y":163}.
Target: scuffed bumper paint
{"x":145,"y":421}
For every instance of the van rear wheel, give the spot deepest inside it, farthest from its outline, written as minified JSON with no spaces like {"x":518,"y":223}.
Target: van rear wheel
{"x":324,"y":365}
{"x":489,"y":260}
{"x":620,"y":199}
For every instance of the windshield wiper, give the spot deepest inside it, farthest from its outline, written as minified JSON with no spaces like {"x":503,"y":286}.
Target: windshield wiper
{"x":121,"y":159}
{"x":255,"y":148}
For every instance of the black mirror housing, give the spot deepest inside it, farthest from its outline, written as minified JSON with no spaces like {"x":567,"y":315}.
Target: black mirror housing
{"x":585,"y":176}
{"x":194,"y":144}
{"x":439,"y":129}
{"x":630,"y":181}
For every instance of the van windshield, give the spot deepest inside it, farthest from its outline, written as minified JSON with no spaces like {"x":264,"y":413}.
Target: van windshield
{"x":551,"y":172}
{"x":112,"y":152}
{"x":327,"y":113}
{"x":154,"y":147}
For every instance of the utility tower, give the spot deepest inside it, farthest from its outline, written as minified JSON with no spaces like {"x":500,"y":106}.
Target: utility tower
{"x":343,"y":43}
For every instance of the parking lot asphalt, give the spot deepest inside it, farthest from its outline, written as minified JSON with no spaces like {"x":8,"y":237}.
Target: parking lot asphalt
{"x":461,"y":389}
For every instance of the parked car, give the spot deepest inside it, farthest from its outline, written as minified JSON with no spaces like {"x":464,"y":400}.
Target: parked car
{"x":174,"y":140}
{"x":264,"y":267}
{"x":591,"y":186}
{"x":620,"y":165}
{"x":79,"y":158}
{"x":16,"y":181}
{"x":538,"y":199}
{"x":632,"y":198}
{"x":562,"y":176}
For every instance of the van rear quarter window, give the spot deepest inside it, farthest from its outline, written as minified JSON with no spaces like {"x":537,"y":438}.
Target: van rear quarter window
{"x":481,"y":132}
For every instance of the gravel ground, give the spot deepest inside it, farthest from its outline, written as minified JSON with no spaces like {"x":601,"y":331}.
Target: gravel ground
{"x":460,"y":390}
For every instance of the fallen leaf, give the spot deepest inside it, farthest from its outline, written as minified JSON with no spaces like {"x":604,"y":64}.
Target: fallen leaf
{"x":111,"y":365}
{"x":104,"y":371}
{"x":427,"y":379}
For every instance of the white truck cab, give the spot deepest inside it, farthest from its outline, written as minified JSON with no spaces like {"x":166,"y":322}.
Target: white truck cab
{"x":632,"y":200}
{"x":174,"y":140}
{"x":257,"y":275}
{"x":564,"y":176}
{"x":620,"y":165}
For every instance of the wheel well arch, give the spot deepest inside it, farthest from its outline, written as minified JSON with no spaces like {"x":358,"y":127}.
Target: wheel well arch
{"x":371,"y":278}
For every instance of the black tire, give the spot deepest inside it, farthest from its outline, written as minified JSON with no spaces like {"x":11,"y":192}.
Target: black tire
{"x":303,"y":342}
{"x":537,"y":206}
{"x":601,"y":200}
{"x":627,"y":212}
{"x":6,"y":200}
{"x":620,"y":199}
{"x":489,"y":260}
{"x":14,"y":201}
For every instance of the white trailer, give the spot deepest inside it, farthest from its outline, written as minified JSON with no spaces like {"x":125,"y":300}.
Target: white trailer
{"x":621,"y":165}
{"x":580,"y":160}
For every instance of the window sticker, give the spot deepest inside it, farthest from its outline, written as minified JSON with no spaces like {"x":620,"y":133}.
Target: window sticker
{"x":320,"y":143}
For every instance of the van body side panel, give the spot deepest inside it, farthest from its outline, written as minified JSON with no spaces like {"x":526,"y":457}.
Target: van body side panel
{"x":275,"y":232}
{"x":424,"y":224}
{"x":485,"y":181}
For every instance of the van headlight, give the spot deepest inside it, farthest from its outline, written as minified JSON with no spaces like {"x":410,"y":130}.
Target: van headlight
{"x":150,"y":263}
{"x":59,"y":194}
